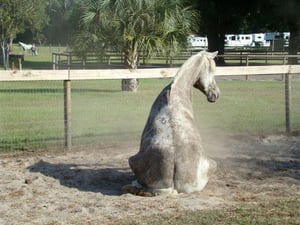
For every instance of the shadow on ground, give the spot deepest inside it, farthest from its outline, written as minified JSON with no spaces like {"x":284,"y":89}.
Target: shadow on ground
{"x":90,"y":178}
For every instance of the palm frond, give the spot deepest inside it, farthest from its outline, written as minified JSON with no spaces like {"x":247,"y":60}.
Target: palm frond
{"x":140,"y":25}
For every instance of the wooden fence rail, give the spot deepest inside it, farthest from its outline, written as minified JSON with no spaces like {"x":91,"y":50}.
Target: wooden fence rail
{"x":68,"y":75}
{"x":71,"y":60}
{"x":34,"y":75}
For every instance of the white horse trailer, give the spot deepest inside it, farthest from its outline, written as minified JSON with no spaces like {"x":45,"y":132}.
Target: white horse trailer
{"x":243,"y":40}
{"x":259,"y":40}
{"x":238,"y":40}
{"x":197,"y":42}
{"x":286,"y":38}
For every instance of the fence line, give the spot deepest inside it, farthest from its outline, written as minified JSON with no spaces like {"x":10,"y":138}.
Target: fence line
{"x":68,"y":75}
{"x":70,"y":59}
{"x":36,"y":75}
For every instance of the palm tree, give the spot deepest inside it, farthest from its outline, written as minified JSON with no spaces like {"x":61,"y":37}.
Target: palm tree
{"x":136,"y":26}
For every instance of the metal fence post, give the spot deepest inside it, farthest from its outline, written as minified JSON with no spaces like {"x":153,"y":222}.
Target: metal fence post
{"x":288,"y":102}
{"x":67,"y":114}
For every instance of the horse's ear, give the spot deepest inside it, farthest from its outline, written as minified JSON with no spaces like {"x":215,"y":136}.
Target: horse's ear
{"x":212,"y":54}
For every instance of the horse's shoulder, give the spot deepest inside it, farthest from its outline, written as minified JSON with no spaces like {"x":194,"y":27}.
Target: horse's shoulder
{"x":162,"y":99}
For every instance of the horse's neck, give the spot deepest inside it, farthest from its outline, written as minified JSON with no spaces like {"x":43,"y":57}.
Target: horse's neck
{"x":181,"y":94}
{"x":182,"y":86}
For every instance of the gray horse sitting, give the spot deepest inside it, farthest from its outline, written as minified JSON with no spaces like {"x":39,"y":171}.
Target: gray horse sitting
{"x":171,"y":158}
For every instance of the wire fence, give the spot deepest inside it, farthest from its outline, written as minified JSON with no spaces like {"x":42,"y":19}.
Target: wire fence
{"x":32,"y":112}
{"x":31,"y":115}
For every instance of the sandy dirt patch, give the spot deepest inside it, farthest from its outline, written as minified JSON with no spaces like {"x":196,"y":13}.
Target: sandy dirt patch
{"x":83,"y":186}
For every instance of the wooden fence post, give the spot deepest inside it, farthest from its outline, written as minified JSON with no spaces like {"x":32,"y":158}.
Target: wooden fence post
{"x":288,"y":102}
{"x":67,"y":114}
{"x":247,"y":64}
{"x":54,"y":60}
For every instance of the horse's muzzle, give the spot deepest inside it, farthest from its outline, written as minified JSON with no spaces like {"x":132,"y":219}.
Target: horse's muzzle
{"x":213,"y":95}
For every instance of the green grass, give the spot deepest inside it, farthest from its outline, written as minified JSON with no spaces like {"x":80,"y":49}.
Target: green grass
{"x":276,"y":213}
{"x":252,"y":106}
{"x":41,"y":61}
{"x":31,"y":113}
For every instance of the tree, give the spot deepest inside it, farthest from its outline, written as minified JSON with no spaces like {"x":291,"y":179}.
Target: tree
{"x":233,"y":16}
{"x":15,"y":17}
{"x":38,"y":20}
{"x":279,"y":16}
{"x":63,"y":19}
{"x":135,"y":26}
{"x":288,"y":12}
{"x":219,"y":17}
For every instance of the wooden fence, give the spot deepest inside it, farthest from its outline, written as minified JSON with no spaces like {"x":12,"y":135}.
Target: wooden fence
{"x":68,"y":75}
{"x":113,"y":59}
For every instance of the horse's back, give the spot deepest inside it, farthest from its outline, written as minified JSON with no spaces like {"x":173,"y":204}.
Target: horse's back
{"x":154,"y":163}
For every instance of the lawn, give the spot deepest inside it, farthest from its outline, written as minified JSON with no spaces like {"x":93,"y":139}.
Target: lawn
{"x":31,"y":113}
{"x":275,"y":212}
{"x":43,"y":59}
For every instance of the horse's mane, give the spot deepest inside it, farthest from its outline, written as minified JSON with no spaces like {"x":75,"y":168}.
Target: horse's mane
{"x":202,"y":61}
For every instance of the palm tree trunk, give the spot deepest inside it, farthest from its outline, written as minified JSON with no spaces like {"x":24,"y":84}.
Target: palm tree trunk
{"x":131,"y":61}
{"x":130,"y":84}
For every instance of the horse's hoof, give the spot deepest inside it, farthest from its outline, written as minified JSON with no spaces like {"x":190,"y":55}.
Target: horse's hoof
{"x":136,"y":191}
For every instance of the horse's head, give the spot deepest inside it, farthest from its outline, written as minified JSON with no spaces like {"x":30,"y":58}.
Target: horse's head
{"x":205,"y":81}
